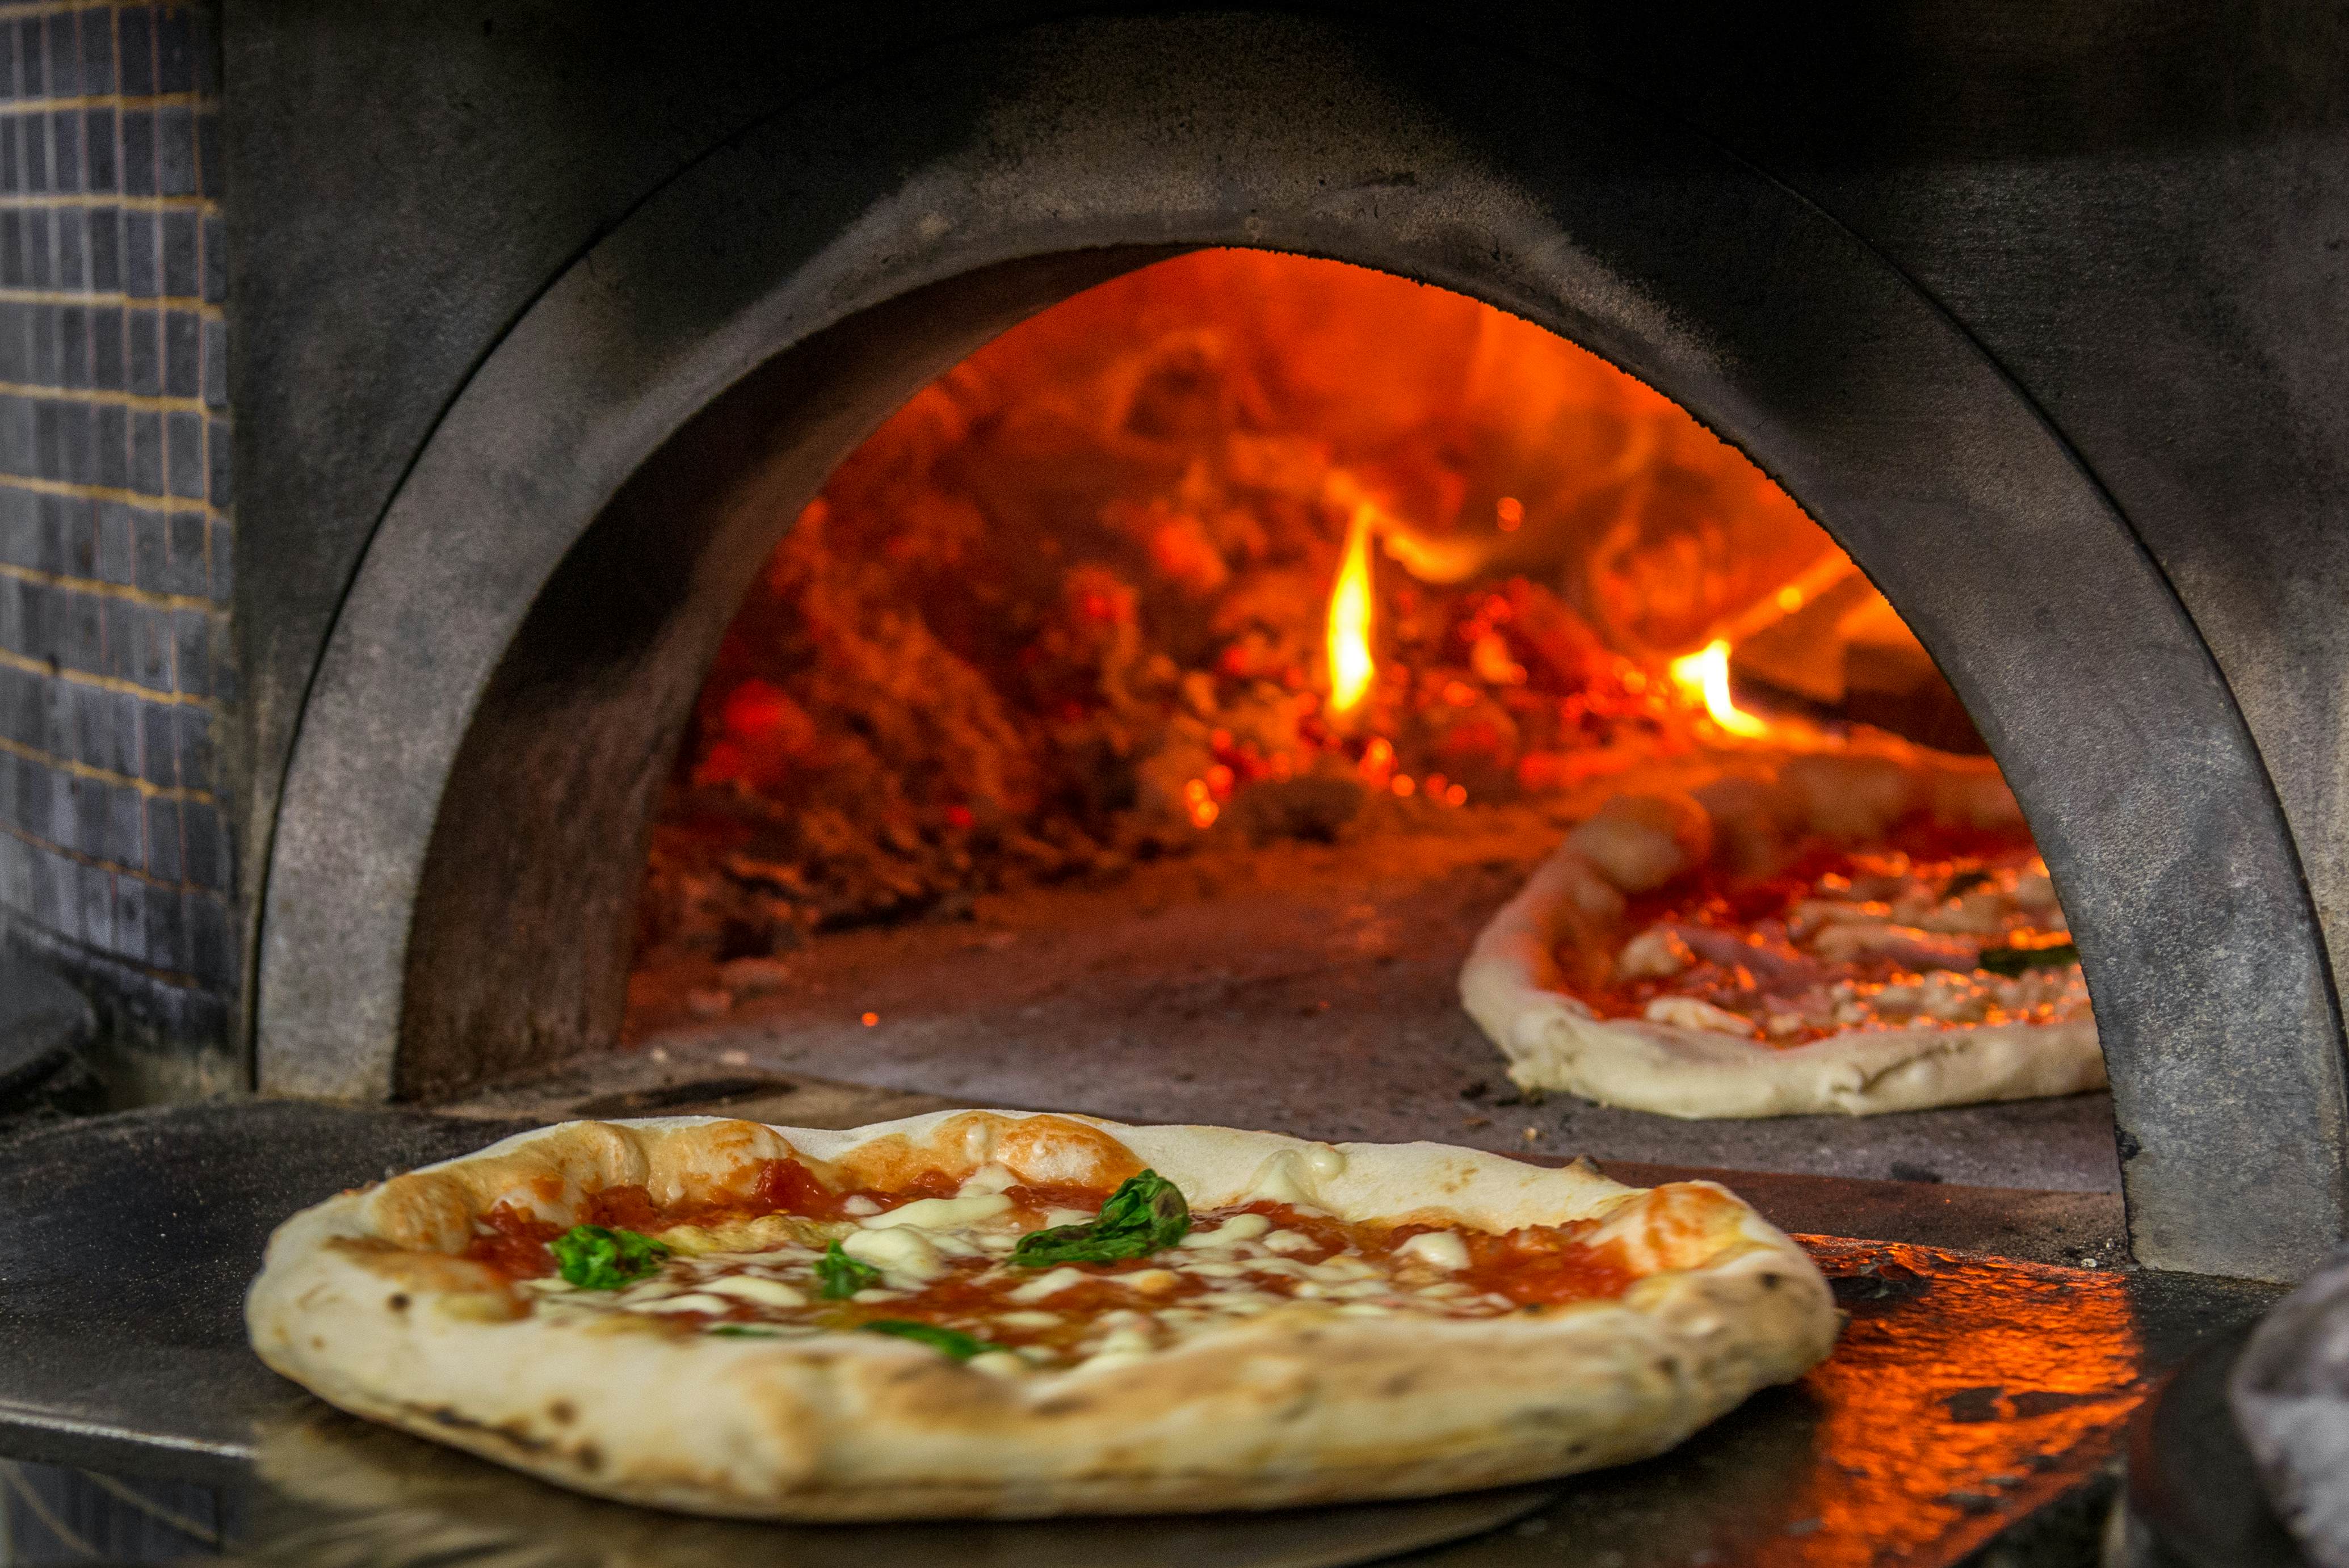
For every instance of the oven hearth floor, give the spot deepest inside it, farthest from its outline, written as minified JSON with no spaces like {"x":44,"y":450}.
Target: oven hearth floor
{"x":1302,"y":988}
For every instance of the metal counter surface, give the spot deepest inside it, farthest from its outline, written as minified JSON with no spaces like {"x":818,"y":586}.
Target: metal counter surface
{"x":1971,"y":1393}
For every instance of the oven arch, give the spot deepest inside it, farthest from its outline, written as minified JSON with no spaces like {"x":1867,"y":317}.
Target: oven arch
{"x":506,"y":677}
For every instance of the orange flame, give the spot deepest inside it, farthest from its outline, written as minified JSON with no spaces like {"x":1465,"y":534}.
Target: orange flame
{"x":1351,"y":665}
{"x":1705,"y":674}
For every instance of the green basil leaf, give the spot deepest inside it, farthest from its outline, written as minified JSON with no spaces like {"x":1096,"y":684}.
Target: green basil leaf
{"x":594,"y":1258}
{"x":1145,"y":1214}
{"x":843,"y":1276}
{"x":745,"y":1331}
{"x":2012,"y":961}
{"x":961,"y":1347}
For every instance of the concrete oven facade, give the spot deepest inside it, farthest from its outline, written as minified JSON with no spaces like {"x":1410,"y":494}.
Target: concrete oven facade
{"x":532,"y":311}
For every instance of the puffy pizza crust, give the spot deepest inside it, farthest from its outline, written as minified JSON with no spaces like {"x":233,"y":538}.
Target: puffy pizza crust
{"x":363,"y":1301}
{"x":1514,"y":986}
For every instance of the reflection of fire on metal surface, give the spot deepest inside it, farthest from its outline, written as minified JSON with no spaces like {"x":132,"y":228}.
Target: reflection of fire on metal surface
{"x":1963,"y":1389}
{"x":1111,"y":585}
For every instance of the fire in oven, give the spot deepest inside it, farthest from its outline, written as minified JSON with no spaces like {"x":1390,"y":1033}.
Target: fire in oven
{"x":1315,"y":790}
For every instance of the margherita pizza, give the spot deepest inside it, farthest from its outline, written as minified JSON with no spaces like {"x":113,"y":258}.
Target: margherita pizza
{"x":1858,"y":933}
{"x":982,"y":1313}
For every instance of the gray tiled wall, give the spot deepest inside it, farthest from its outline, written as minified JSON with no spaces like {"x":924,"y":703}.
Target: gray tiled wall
{"x":117,"y":552}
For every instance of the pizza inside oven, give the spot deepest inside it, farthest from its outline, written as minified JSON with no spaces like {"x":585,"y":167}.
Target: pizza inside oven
{"x":1853,"y":933}
{"x":986,"y":1313}
{"x":1935,"y":927}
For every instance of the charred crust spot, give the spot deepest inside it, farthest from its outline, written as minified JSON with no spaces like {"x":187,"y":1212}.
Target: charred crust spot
{"x":562,"y":1412}
{"x":1401,"y":1383}
{"x":590,"y":1457}
{"x":399,"y":1301}
{"x":519,"y":1436}
{"x":317,"y":1343}
{"x":1067,"y":1405}
{"x":1669,"y":1365}
{"x":1772,"y":1281}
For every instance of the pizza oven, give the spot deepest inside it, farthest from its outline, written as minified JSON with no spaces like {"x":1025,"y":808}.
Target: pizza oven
{"x":1046,"y":558}
{"x":471,"y":758}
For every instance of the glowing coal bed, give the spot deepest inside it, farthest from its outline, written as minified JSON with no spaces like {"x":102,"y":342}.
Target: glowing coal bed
{"x":1145,"y":717}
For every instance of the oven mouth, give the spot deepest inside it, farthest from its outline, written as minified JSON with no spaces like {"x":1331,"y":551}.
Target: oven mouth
{"x":1247,"y":570}
{"x":1260,"y":541}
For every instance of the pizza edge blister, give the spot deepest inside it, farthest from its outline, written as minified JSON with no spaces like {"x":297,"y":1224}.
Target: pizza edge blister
{"x":1512,"y":986}
{"x":365,"y":1300}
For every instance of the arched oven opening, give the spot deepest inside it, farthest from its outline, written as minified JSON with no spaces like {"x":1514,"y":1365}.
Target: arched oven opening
{"x":1143,"y":718}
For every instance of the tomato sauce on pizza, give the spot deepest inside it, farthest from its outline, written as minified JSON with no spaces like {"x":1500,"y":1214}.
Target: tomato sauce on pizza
{"x":1027,"y":1276}
{"x":1941,"y":928}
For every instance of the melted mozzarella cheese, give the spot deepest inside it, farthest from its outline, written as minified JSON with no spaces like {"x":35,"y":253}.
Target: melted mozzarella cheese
{"x":1047,"y":1284}
{"x":1238,"y":1228}
{"x":1657,"y":953}
{"x":1293,"y":1176}
{"x":692,"y":1300}
{"x":986,"y":1179}
{"x":902,"y":1254}
{"x":942,"y":1214}
{"x":1438,"y":1249}
{"x":1030,"y":1319}
{"x":1689,"y":1013}
{"x":1215,"y":1279}
{"x":756,"y":1289}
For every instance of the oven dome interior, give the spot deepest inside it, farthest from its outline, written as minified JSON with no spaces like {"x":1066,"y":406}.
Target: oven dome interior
{"x":1062,"y":651}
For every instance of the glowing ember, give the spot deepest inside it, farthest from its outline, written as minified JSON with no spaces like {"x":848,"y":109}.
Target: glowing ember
{"x":1351,"y":667}
{"x":1199,"y":801}
{"x":1706,"y":674}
